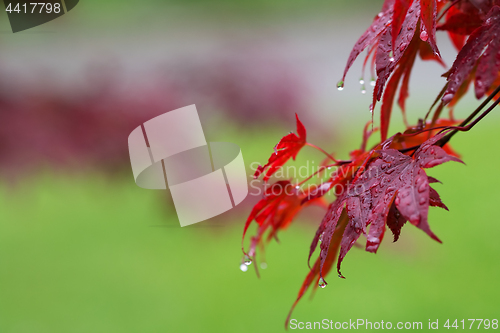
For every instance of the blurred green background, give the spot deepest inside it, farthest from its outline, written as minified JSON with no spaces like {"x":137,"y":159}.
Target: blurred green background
{"x":83,"y":249}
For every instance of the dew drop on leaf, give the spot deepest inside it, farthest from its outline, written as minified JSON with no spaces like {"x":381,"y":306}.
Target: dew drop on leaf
{"x":424,"y":36}
{"x":247,"y":260}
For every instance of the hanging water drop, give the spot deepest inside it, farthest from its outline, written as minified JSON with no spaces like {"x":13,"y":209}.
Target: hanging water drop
{"x":447,"y":98}
{"x":297,"y":187}
{"x":321,"y":283}
{"x":361,"y":81}
{"x":340,"y":85}
{"x":243,"y":267}
{"x":247,"y":260}
{"x":363,"y":89}
{"x":263,"y":265}
{"x":372,"y":82}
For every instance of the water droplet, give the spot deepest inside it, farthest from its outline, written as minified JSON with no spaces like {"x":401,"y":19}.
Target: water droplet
{"x":329,"y":168}
{"x":321,"y":237}
{"x":247,"y":260}
{"x":372,"y":82}
{"x":371,"y":108}
{"x":297,"y":187}
{"x":340,"y":85}
{"x":422,"y":188}
{"x":424,"y":36}
{"x":263,"y":265}
{"x":391,"y":59}
{"x":322,"y":283}
{"x":361,"y":81}
{"x":243,"y":267}
{"x":447,"y":98}
{"x":363,"y":89}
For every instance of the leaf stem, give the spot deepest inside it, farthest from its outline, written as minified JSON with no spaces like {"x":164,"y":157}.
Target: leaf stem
{"x":462,"y":127}
{"x":323,"y":151}
{"x":320,"y":169}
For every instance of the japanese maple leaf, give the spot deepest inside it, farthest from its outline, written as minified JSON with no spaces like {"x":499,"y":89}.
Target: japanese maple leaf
{"x":482,"y":54}
{"x":287,"y":148}
{"x":314,"y":275}
{"x":391,"y":178}
{"x":461,"y":20}
{"x":276,"y":210}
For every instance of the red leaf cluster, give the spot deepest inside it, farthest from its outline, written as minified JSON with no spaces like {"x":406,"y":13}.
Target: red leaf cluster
{"x":280,"y":203}
{"x":403,"y":29}
{"x":386,"y":186}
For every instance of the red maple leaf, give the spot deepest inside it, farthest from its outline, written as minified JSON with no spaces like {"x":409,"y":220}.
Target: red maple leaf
{"x":287,"y":148}
{"x":389,"y":178}
{"x":461,"y":20}
{"x":482,"y":54}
